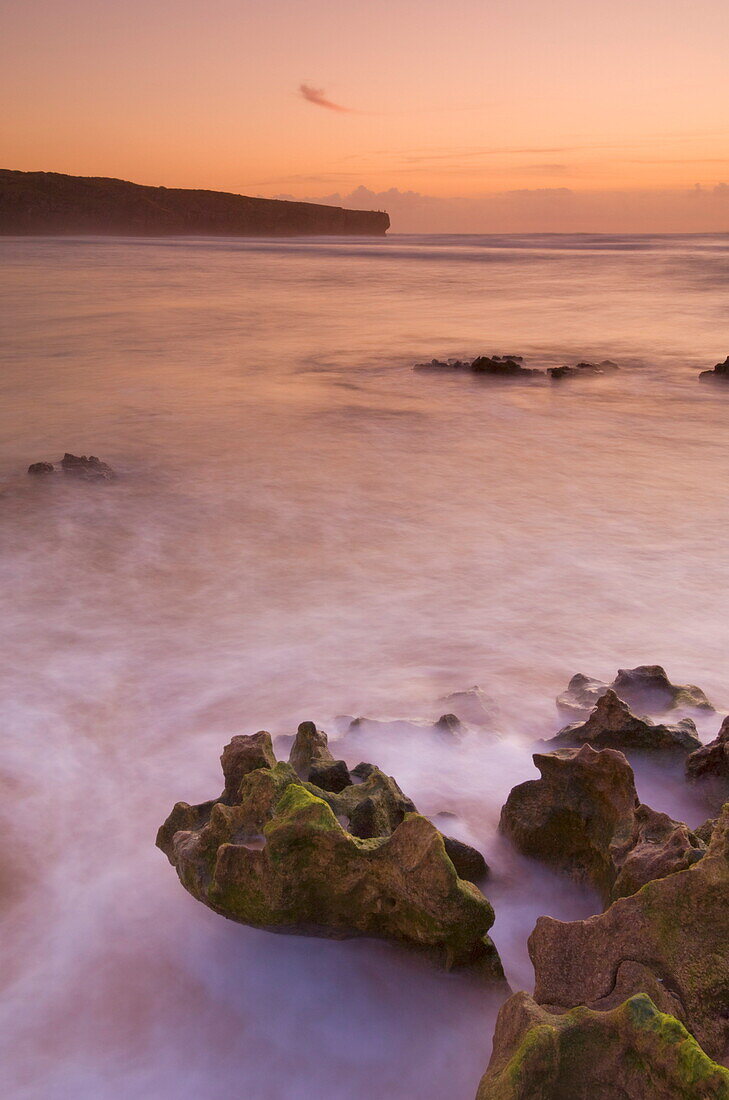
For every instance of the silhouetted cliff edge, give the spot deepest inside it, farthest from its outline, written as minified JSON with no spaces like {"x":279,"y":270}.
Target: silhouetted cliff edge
{"x":48,"y":203}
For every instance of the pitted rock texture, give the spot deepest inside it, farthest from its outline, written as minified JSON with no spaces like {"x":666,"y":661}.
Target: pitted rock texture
{"x":612,"y":725}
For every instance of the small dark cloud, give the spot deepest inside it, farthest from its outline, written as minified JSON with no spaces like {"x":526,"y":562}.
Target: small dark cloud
{"x":317,"y":96}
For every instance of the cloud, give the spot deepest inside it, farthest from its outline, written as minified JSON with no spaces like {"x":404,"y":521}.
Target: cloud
{"x":317,"y":96}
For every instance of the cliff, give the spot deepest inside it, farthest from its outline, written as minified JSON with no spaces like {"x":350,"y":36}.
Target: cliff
{"x":48,"y":204}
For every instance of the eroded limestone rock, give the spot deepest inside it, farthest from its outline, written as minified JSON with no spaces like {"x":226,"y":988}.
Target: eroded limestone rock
{"x":672,"y":933}
{"x":709,"y":767}
{"x":634,"y":1052}
{"x":646,"y":689}
{"x":612,"y":725}
{"x":583,"y":818}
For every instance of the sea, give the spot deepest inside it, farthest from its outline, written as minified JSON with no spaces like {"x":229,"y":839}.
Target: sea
{"x":302,"y":527}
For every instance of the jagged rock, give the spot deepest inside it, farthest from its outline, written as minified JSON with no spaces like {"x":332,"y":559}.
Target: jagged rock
{"x":645,"y":688}
{"x":330,"y":777}
{"x":87,"y":469}
{"x":633,"y":1052}
{"x":672,"y":933}
{"x":612,"y":725}
{"x":472,"y":705}
{"x":40,"y":468}
{"x":439,"y":364}
{"x":244,"y":754}
{"x":310,"y":748}
{"x":501,"y":367}
{"x":581,"y":696}
{"x":648,"y":689}
{"x":583,"y":818}
{"x":720,"y":373}
{"x":449,"y":724}
{"x":709,"y":765}
{"x":468,"y":862}
{"x":604,"y":367}
{"x":280,"y":860}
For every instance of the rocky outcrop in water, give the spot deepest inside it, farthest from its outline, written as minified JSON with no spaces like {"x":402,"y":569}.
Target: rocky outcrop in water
{"x":646,"y":688}
{"x":633,"y":1052}
{"x":273,"y":852}
{"x":49,"y":203}
{"x":512,"y":366}
{"x":81,"y":467}
{"x":719,"y":373}
{"x":668,"y":940}
{"x":612,"y":725}
{"x":581,"y":369}
{"x":583,"y":817}
{"x":709,"y":767}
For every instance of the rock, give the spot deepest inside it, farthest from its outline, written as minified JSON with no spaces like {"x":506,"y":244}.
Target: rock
{"x":332,"y":777}
{"x":450,"y":725}
{"x":645,"y":688}
{"x":709,"y":765}
{"x":373,"y":807}
{"x":648,"y":689}
{"x":633,"y":1052}
{"x":472,"y":705}
{"x":613,"y":726}
{"x":310,"y":748}
{"x":720,"y":373}
{"x":499,"y":367}
{"x":87,"y":469}
{"x":578,"y":369}
{"x":468,"y":862}
{"x":278,"y":859}
{"x":581,"y":696}
{"x":439,"y":365}
{"x":244,"y":754}
{"x":40,"y":468}
{"x":583,"y":818}
{"x":672,"y":933}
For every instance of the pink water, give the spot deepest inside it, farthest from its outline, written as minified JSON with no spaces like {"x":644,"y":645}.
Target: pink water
{"x":303,"y":527}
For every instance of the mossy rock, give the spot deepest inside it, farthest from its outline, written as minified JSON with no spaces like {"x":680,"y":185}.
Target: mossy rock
{"x":633,"y":1052}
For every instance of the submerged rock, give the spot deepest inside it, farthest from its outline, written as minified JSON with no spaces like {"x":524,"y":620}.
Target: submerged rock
{"x":612,"y":725}
{"x":500,"y":367}
{"x":276,"y":856}
{"x":646,"y":688}
{"x":583,"y":818}
{"x":720,"y":373}
{"x":669,"y":939}
{"x":40,"y":468}
{"x":605,"y":367}
{"x":472,"y":705}
{"x":709,"y":766}
{"x":633,"y":1052}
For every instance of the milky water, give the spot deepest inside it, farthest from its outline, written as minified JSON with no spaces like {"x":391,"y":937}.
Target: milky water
{"x":303,"y":527}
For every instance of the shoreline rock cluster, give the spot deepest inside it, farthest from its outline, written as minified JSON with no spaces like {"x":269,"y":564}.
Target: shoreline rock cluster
{"x":632,"y":1002}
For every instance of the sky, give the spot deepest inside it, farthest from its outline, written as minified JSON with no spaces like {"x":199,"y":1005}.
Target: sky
{"x":459,"y":116}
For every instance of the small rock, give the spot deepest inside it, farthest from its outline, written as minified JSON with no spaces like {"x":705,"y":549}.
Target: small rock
{"x":472,"y":705}
{"x":468,"y":862}
{"x":710,"y":766}
{"x":497,"y":367}
{"x":330,"y":776}
{"x":244,"y":754}
{"x":40,"y":468}
{"x":612,"y":725}
{"x":88,"y":469}
{"x":310,"y":748}
{"x":720,"y":373}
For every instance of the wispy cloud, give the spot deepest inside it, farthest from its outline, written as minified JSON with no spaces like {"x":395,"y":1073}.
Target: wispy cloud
{"x":317,"y":96}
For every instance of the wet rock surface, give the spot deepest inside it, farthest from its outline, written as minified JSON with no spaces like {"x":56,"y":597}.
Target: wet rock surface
{"x":581,"y":369}
{"x":275,"y":855}
{"x":583,"y":817}
{"x":612,"y":725}
{"x":512,"y":366}
{"x":633,"y":1052}
{"x":671,"y":935}
{"x":646,"y":689}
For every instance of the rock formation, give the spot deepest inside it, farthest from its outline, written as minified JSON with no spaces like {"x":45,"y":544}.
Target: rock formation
{"x":720,"y":373}
{"x":49,"y":203}
{"x":472,"y":705}
{"x":580,"y":369}
{"x":633,"y":1052}
{"x":645,"y":688}
{"x":668,"y":940}
{"x":583,"y":818}
{"x":272,"y":852}
{"x":709,"y":767}
{"x":612,"y":725}
{"x":78,"y":466}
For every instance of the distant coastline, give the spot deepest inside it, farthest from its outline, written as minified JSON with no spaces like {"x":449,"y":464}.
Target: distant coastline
{"x":53,"y":204}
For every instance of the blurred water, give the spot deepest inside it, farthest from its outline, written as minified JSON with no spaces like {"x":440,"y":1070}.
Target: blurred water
{"x":303,"y":527}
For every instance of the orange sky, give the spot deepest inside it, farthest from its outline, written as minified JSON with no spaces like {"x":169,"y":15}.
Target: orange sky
{"x":461,"y":102}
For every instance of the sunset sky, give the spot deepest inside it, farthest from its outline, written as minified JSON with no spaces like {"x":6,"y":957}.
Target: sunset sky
{"x":480,"y":114}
